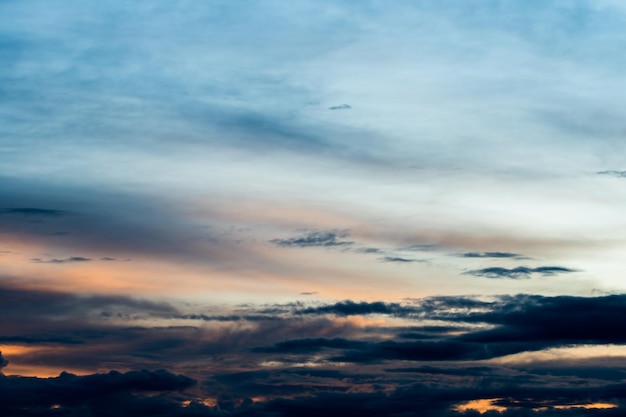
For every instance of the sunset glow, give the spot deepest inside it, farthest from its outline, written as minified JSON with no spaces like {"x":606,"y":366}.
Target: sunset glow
{"x":312,"y":208}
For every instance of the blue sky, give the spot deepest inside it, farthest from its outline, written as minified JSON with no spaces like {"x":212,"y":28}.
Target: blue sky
{"x":205,"y":156}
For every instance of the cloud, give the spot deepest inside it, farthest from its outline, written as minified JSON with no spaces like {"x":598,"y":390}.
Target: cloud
{"x":398,"y":259}
{"x":521,"y":323}
{"x":315,"y":238}
{"x":369,"y":250}
{"x":49,"y":306}
{"x":40,"y":340}
{"x":518,"y":272}
{"x":134,"y":226}
{"x":29,"y":211}
{"x":340,"y":107}
{"x":351,"y":308}
{"x":490,"y":255}
{"x":310,"y":345}
{"x":73,"y":259}
{"x":613,"y":173}
{"x":288,"y":355}
{"x":101,"y":394}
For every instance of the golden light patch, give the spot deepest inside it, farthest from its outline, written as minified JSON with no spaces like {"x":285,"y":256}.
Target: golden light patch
{"x":589,"y":406}
{"x":482,"y":406}
{"x":565,"y":353}
{"x":21,"y":364}
{"x":259,"y":399}
{"x":209,"y":402}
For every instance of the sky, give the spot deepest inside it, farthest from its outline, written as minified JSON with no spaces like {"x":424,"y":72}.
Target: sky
{"x":382,"y":208}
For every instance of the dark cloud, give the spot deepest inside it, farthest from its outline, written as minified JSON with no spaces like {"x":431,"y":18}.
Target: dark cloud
{"x":369,"y":250}
{"x":315,"y":238}
{"x":466,"y":371}
{"x":519,"y":272}
{"x":114,"y":393}
{"x":421,"y":248}
{"x":3,"y":361}
{"x":311,"y":345}
{"x":398,"y":259}
{"x":73,"y":259}
{"x":127,"y":225}
{"x":351,"y":308}
{"x":425,"y":369}
{"x":491,"y":255}
{"x":516,"y":324}
{"x":613,"y":173}
{"x":39,"y":340}
{"x":47,"y":305}
{"x":29,"y":211}
{"x":553,"y":321}
{"x":340,"y":107}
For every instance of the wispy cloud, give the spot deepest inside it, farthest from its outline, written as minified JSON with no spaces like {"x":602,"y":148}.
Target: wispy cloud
{"x":369,"y":250}
{"x":518,"y":272}
{"x":491,"y":255}
{"x":398,"y":259}
{"x":30,"y":211}
{"x":73,"y":259}
{"x":315,"y":238}
{"x":613,"y":173}
{"x":340,"y":107}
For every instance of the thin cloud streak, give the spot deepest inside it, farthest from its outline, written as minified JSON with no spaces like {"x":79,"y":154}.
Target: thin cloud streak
{"x":315,"y":238}
{"x":520,"y":272}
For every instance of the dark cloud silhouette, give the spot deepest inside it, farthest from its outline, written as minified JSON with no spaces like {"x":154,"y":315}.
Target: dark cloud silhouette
{"x":613,"y":173}
{"x":29,"y":211}
{"x":340,"y":107}
{"x":315,"y":238}
{"x":97,"y":394}
{"x":550,"y":321}
{"x":351,"y":308}
{"x":490,"y":255}
{"x":73,"y":259}
{"x":425,"y":368}
{"x":311,"y":345}
{"x":421,"y":248}
{"x":398,"y":259}
{"x":135,"y":225}
{"x":47,"y":305}
{"x":518,"y":324}
{"x":40,"y":340}
{"x":519,"y":272}
{"x":433,"y":370}
{"x":369,"y":250}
